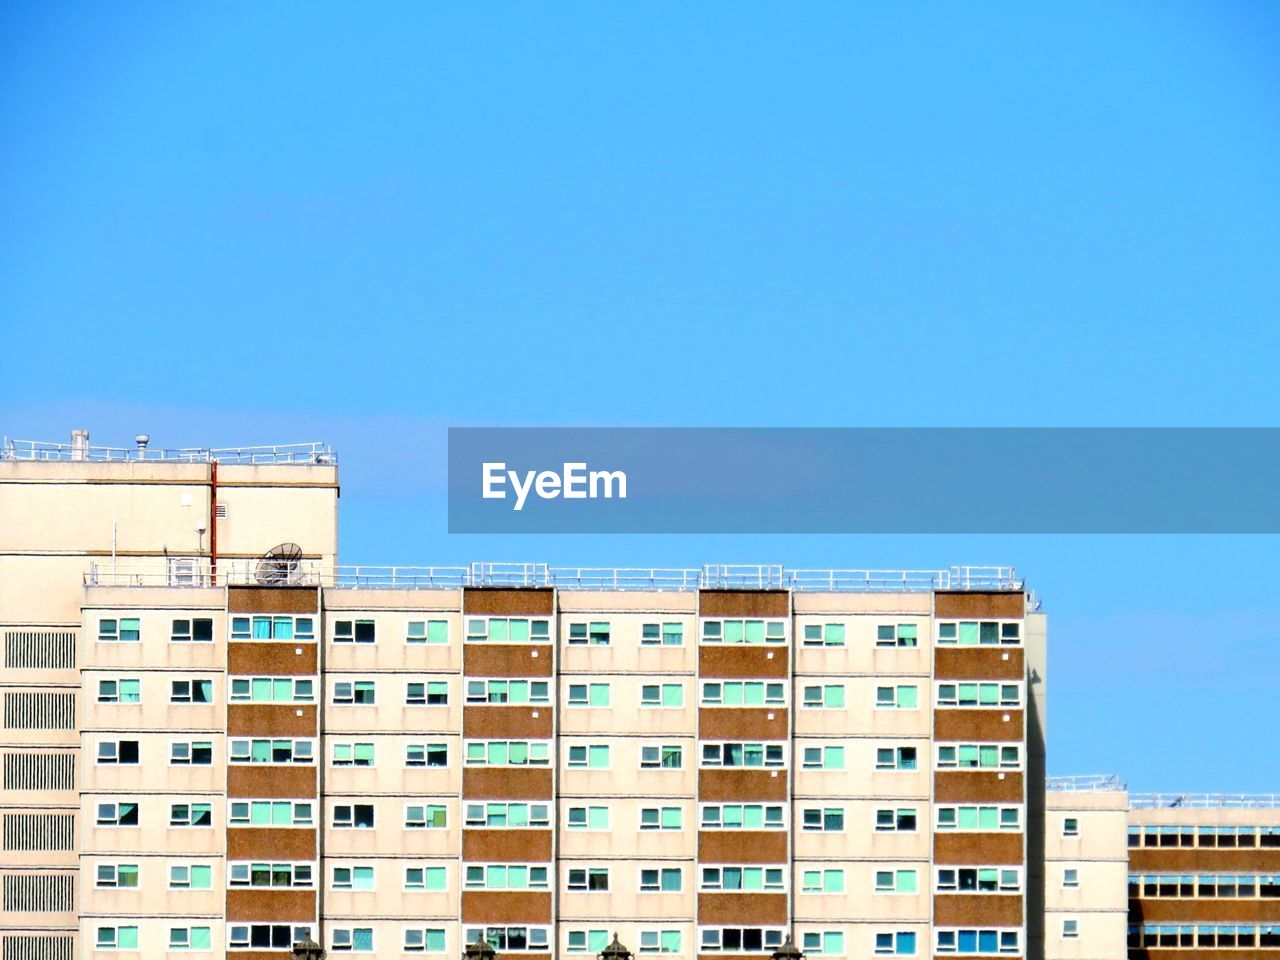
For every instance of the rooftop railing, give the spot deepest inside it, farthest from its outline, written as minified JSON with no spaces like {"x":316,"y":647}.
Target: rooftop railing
{"x":285,"y":572}
{"x":1203,"y":801}
{"x":303,"y":454}
{"x":1100,"y":782}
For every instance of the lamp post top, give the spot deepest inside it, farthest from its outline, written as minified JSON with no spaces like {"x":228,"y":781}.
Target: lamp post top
{"x":307,"y":949}
{"x":615,"y":951}
{"x":480,"y":950}
{"x":788,"y":951}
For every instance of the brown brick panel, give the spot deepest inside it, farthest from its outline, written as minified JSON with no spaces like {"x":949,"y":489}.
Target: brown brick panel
{"x":1188,"y":859}
{"x":742,"y":723}
{"x":267,"y":780}
{"x":496,"y":722}
{"x":742,"y":846}
{"x":272,"y":906}
{"x":995,"y":605}
{"x":261,"y":659}
{"x":270,"y":843}
{"x":977,"y":725}
{"x":505,"y":906}
{"x":512,"y":846}
{"x":270,"y":720}
{"x":1224,"y":910}
{"x":742,"y":661}
{"x":744,"y":603}
{"x":745,"y":785}
{"x":506,"y":659}
{"x":273,"y":600}
{"x":973,"y":848}
{"x":506,"y":783}
{"x":975,"y":786}
{"x":977,"y":909}
{"x":979,"y":663}
{"x":495,"y":602}
{"x":742,"y":909}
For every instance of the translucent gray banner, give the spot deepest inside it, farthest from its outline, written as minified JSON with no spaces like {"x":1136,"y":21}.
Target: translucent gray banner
{"x":864,"y":480}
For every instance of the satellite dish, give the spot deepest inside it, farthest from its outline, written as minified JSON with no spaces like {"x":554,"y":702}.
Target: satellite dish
{"x":280,"y":566}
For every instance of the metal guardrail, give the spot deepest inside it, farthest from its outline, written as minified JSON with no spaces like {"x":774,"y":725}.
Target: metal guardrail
{"x":1203,"y":801}
{"x":302,"y":454}
{"x":1100,"y":782}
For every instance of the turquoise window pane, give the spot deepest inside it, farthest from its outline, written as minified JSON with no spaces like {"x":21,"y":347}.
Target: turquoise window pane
{"x":908,"y":697}
{"x":672,"y":695}
{"x":498,"y":630}
{"x":968,"y":818}
{"x":438,"y":631}
{"x":598,"y":756}
{"x":519,"y":631}
{"x":834,"y":696}
{"x":987,"y":818}
{"x":755,"y":631}
{"x":201,"y":938}
{"x":733,"y":631}
{"x":127,"y":938}
{"x":968,"y":633}
{"x":282,"y":629}
{"x":201,"y":877}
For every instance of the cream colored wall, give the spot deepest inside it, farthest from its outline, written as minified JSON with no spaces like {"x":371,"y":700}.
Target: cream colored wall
{"x":861,"y":715}
{"x":860,"y":901}
{"x":624,"y":898}
{"x":390,"y":838}
{"x":153,"y":833}
{"x":1205,"y":816}
{"x":153,"y":935}
{"x":1100,"y":855}
{"x":624,"y":839}
{"x":860,"y":840}
{"x":152,"y":895}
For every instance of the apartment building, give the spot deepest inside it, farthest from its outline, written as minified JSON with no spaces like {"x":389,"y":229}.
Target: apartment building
{"x":397,"y":762}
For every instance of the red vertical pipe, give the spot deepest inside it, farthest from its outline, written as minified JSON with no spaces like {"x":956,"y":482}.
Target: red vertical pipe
{"x":213,"y":522}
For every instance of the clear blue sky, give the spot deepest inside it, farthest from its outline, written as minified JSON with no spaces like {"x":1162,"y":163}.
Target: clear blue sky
{"x":246,"y":222}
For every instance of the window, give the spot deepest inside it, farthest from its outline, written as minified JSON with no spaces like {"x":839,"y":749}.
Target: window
{"x":353,"y":816}
{"x":825,"y":819}
{"x":261,"y":936}
{"x":588,"y":818}
{"x":501,"y":876}
{"x":588,"y":880}
{"x":978,"y":880}
{"x":500,"y":814}
{"x":271,"y":751}
{"x":594,"y":756}
{"x":427,"y":631}
{"x":353,"y":631}
{"x":347,"y":754}
{"x":966,"y":941}
{"x":351,"y":939}
{"x":749,"y":878}
{"x":273,"y":628}
{"x":659,"y":941}
{"x":662,"y":634}
{"x":743,"y":755}
{"x":739,"y":939}
{"x":899,"y":820}
{"x":1071,"y":878}
{"x":272,"y":690}
{"x":979,"y":756}
{"x":979,"y":695}
{"x":198,"y":630}
{"x":586,"y":941}
{"x":824,"y":635}
{"x":897,"y":635}
{"x":190,"y":815}
{"x":425,"y":878}
{"x":662,"y":695}
{"x":119,"y":691}
{"x":977,"y":818}
{"x":190,"y":876}
{"x":126,"y":630}
{"x":828,"y":695}
{"x":1070,"y":929}
{"x":191,"y":691}
{"x":190,"y":938}
{"x":895,"y":758}
{"x":508,"y":691}
{"x":121,"y":814}
{"x":1071,"y":827}
{"x":595,"y":634}
{"x":588,"y":694}
{"x":353,"y":878}
{"x":823,"y":758}
{"x":424,"y":940}
{"x":742,"y":816}
{"x":425,"y":816}
{"x":508,"y":630}
{"x":431,"y":693}
{"x":668,"y":756}
{"x":744,"y":631}
{"x":508,"y":753}
{"x":822,"y":881}
{"x":116,"y":938}
{"x":118,"y":751}
{"x":900,"y":697}
{"x":116,"y":876}
{"x":354,"y":692}
{"x":901,"y":943}
{"x":661,"y":818}
{"x":284,"y":875}
{"x":743,"y":693}
{"x":896,"y":881}
{"x":194,"y":753}
{"x":271,"y":813}
{"x":507,"y":939}
{"x":426,"y":755}
{"x":825,"y":943}
{"x":987,"y":633}
{"x":661,"y":879}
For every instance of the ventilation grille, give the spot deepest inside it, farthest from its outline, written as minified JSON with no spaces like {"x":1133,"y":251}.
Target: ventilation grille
{"x":39,"y":831}
{"x":39,"y":771}
{"x":39,"y":893}
{"x":40,"y":649}
{"x":40,"y":711}
{"x":36,"y":947}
